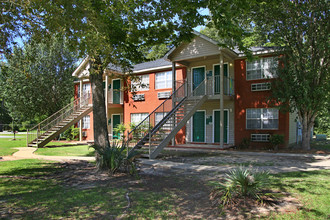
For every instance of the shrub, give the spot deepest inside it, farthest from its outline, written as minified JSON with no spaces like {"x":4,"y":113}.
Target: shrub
{"x":245,"y":143}
{"x":276,"y":140}
{"x":71,"y":133}
{"x":120,"y":129}
{"x":113,"y":158}
{"x":241,"y":182}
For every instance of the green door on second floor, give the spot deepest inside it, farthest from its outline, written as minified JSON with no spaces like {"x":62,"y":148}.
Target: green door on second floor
{"x":217,"y":76}
{"x":198,"y":76}
{"x":116,"y":91}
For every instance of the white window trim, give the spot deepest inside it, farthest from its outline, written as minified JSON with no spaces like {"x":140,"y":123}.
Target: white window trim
{"x":261,"y":84}
{"x":262,"y":109}
{"x":139,"y":87}
{"x":84,"y":124}
{"x":262,"y":68}
{"x":140,"y":114}
{"x":213,"y":121}
{"x":166,"y":86}
{"x":260,"y":135}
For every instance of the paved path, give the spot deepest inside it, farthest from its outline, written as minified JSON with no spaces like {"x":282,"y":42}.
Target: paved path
{"x":320,"y":162}
{"x":28,"y":153}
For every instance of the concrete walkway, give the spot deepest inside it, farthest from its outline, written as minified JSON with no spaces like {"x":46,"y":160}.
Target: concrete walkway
{"x":321,"y":162}
{"x":28,"y":153}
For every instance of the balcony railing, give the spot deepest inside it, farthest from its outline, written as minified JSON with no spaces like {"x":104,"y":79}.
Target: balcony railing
{"x":115,"y":97}
{"x":228,"y":86}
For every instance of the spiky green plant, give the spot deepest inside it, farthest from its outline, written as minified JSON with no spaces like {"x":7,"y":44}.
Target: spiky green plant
{"x":113,"y":158}
{"x":247,"y":182}
{"x":240,"y":182}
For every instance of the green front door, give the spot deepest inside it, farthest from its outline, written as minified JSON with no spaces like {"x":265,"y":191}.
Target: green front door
{"x":217,"y":76}
{"x":198,"y":78}
{"x":217,"y":126}
{"x":116,"y":91}
{"x":115,"y":122}
{"x":199,"y":127}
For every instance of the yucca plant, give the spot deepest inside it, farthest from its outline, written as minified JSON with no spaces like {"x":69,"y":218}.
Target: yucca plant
{"x":247,"y":182}
{"x":240,"y":182}
{"x":113,"y":158}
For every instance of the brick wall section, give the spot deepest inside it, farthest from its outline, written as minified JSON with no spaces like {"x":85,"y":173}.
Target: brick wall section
{"x":151,"y":101}
{"x":245,"y":98}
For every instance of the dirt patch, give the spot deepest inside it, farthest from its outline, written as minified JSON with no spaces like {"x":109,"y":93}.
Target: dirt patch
{"x":191,"y":192}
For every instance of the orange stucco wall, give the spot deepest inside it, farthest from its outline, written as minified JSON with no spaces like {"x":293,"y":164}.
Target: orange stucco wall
{"x":245,"y":98}
{"x":151,"y":101}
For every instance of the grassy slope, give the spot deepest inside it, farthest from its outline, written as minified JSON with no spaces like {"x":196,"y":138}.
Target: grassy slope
{"x":7,"y":145}
{"x":41,"y":198}
{"x":311,"y":188}
{"x":80,"y":150}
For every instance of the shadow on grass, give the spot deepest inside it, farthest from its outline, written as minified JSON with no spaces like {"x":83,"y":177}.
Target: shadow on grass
{"x":53,"y":145}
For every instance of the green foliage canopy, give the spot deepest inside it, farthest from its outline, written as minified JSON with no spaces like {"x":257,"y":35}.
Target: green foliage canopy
{"x":36,"y":80}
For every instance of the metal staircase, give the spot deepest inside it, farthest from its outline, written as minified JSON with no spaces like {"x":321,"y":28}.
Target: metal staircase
{"x":57,"y":123}
{"x":161,"y":126}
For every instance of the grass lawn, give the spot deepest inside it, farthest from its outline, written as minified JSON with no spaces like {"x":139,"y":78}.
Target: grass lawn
{"x":7,"y":145}
{"x":29,"y":194}
{"x":70,"y":150}
{"x":311,"y":188}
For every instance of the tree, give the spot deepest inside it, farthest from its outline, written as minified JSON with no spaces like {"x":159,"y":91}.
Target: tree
{"x":108,"y":31}
{"x":301,"y":28}
{"x":36,"y":80}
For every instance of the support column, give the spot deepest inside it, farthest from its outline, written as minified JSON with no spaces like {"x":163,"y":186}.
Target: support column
{"x":173,"y":97}
{"x":106,"y":97}
{"x":221,"y":101}
{"x":81,"y":121}
{"x":106,"y":94}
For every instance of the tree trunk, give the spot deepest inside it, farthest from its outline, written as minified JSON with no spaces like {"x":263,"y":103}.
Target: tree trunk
{"x":307,"y":124}
{"x":101,"y":137}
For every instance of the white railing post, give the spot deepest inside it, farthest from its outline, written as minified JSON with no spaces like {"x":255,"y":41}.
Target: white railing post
{"x":27,"y":137}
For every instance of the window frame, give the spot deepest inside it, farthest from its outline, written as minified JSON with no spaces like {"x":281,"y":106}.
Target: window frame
{"x":262,"y":119}
{"x":256,"y":87}
{"x":260,"y":137}
{"x":142,"y":118}
{"x":136,"y":86}
{"x":264,"y":68}
{"x":86,"y":125}
{"x":166,"y":80}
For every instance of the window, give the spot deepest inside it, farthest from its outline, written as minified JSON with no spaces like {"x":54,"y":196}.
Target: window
{"x":86,"y":88}
{"x":262,"y":68}
{"x":260,"y":137}
{"x":159,"y":116}
{"x":163,"y":80}
{"x":260,"y":86}
{"x":262,"y":118}
{"x":141,"y":83}
{"x":86,"y":122}
{"x":136,"y":118}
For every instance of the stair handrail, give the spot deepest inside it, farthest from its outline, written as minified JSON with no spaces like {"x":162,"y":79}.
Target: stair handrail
{"x":188,"y":92}
{"x":53,"y":120}
{"x":147,"y":117}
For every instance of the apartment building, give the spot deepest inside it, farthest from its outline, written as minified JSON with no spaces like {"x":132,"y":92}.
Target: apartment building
{"x":204,"y":95}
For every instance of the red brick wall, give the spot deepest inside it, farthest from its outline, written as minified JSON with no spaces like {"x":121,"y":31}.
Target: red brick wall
{"x":151,"y":101}
{"x":245,"y":98}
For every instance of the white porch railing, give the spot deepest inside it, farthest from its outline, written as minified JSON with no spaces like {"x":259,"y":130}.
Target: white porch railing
{"x":228,"y":86}
{"x":117,"y":100}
